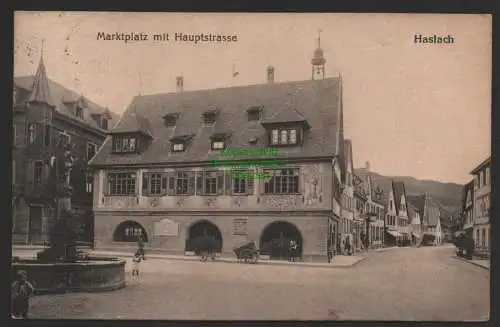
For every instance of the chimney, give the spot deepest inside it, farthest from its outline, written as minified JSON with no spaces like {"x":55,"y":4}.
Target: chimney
{"x":180,"y":83}
{"x":367,"y":165}
{"x":270,"y":74}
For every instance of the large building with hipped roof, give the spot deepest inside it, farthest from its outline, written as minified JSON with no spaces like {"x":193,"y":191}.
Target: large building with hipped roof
{"x":171,"y":169}
{"x":45,"y":113}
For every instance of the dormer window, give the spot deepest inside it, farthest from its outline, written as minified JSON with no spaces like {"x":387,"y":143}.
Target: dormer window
{"x":218,"y":145}
{"x":170,"y":119}
{"x":284,"y":136}
{"x":124,"y":144}
{"x":178,"y":147}
{"x":209,"y":116}
{"x":79,"y":112}
{"x":254,"y":113}
{"x":180,"y":142}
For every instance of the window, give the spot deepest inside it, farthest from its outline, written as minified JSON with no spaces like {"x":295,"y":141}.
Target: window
{"x":254,"y":114}
{"x":64,"y":138}
{"x":13,"y":172}
{"x":218,"y":145}
{"x":31,"y":133}
{"x":477,"y":237}
{"x":91,"y":150}
{"x":79,"y":112}
{"x":283,"y":181}
{"x":154,"y":184}
{"x":48,"y":136}
{"x":104,"y":123}
{"x":485,"y":176}
{"x":182,"y":183}
{"x":89,"y":182}
{"x":38,"y":172}
{"x":210,"y":183}
{"x":124,"y":144}
{"x":121,"y":183}
{"x":178,"y":147}
{"x":209,"y":117}
{"x":390,"y":205}
{"x":284,"y":136}
{"x":242,"y":181}
{"x":170,"y":119}
{"x":476,"y":182}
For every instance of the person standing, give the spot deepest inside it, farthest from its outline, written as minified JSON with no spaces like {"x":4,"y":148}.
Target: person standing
{"x":136,"y":261}
{"x":21,"y":291}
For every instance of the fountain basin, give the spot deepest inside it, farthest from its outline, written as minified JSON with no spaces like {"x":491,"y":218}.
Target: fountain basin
{"x":95,"y":274}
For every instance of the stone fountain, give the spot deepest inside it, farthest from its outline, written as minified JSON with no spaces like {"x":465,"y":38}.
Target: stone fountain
{"x":62,"y":267}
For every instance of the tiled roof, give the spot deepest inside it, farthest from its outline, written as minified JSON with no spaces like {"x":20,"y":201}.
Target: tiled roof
{"x":469,"y":187}
{"x":348,"y":154}
{"x":40,"y":91}
{"x":418,"y":202}
{"x":399,"y":191}
{"x":411,"y":211}
{"x":318,"y":101}
{"x":61,"y":97}
{"x":137,"y":123}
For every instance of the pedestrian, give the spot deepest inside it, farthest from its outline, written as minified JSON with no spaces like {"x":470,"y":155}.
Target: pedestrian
{"x":135,"y":265}
{"x":348,"y":246}
{"x":21,"y":291}
{"x":140,"y":247}
{"x":330,"y":253}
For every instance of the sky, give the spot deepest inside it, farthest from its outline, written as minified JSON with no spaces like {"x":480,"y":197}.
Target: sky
{"x":420,"y":110}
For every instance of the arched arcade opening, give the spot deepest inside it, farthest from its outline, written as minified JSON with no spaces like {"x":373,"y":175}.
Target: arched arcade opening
{"x":201,"y":229}
{"x":130,"y":231}
{"x":275,"y":240}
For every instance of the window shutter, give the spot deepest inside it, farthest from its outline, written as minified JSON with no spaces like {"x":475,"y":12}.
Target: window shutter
{"x":171,"y":183}
{"x":220,"y":182}
{"x":191,"y":181}
{"x":164,"y":184}
{"x":250,"y":182}
{"x":145,"y":184}
{"x":199,"y":183}
{"x":229,"y":181}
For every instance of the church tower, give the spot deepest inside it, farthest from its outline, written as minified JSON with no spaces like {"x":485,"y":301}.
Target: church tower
{"x":318,"y":61}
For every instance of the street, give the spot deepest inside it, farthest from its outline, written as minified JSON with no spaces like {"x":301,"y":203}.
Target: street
{"x":399,"y":284}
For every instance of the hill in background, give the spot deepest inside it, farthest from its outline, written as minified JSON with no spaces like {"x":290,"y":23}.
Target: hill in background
{"x":447,"y":195}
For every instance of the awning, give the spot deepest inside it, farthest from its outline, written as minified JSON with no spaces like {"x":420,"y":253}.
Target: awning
{"x":394,"y":233}
{"x":468,"y":226}
{"x":415,"y":234}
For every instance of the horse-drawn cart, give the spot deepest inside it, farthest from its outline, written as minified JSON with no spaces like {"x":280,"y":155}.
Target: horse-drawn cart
{"x":247,"y":252}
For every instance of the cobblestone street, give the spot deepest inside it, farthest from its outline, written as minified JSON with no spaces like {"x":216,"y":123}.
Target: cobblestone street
{"x":400,"y":284}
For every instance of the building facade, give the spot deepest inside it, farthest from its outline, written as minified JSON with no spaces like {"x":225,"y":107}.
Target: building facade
{"x":482,"y":205}
{"x":467,"y":214}
{"x":251,"y":163}
{"x":415,"y":226}
{"x":396,"y":218}
{"x":348,"y":205}
{"x":372,"y":214}
{"x":46,"y":113}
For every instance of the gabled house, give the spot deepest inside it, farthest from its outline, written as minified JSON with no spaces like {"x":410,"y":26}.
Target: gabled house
{"x":261,"y":163}
{"x":401,"y":211}
{"x":374,"y":212}
{"x":360,"y":200}
{"x":467,"y":218}
{"x":416,"y":208}
{"x":348,"y":201}
{"x":46,"y":113}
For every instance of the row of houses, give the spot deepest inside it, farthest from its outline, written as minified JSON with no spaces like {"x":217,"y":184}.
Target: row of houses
{"x":476,"y":207}
{"x":161,"y":173}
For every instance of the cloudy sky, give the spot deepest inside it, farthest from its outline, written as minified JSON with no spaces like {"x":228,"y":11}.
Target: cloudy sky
{"x":410,"y":109}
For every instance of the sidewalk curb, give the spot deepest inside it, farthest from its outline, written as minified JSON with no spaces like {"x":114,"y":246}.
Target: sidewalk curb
{"x":471,"y":262}
{"x":219,"y":259}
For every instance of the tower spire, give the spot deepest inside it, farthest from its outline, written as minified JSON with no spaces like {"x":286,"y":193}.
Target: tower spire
{"x":318,"y":61}
{"x":40,"y":91}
